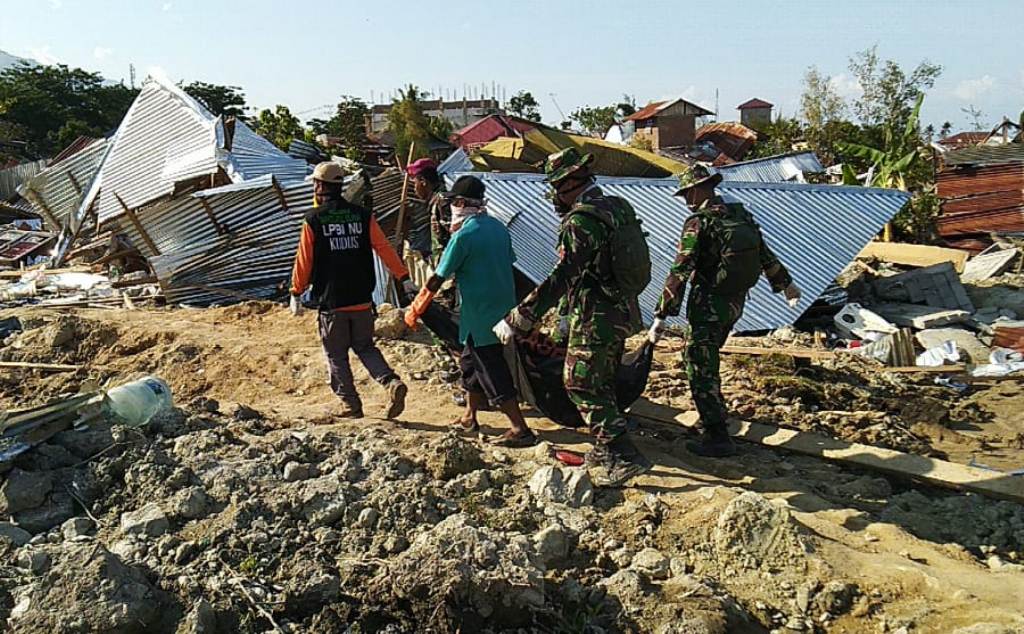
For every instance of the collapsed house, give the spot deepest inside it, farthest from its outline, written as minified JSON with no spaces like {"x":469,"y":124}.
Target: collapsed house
{"x":982,"y":191}
{"x":846,"y":218}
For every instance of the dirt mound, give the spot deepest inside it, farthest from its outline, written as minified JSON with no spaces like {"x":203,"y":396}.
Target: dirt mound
{"x":754,"y":533}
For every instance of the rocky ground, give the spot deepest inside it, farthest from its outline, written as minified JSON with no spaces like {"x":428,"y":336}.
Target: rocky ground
{"x":249,"y":508}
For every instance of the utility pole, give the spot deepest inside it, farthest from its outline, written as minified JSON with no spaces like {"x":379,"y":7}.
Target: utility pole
{"x":131,"y":75}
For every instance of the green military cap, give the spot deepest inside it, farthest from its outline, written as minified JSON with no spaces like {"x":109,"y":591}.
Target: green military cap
{"x":697,"y":176}
{"x":565,"y":162}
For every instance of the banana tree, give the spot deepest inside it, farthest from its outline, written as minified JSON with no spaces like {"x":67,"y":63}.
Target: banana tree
{"x":889,"y":166}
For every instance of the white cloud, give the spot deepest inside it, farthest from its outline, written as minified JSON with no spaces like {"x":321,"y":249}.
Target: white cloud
{"x":846,"y":86}
{"x":157,"y":72}
{"x":102,"y":52}
{"x":971,"y":89}
{"x":57,"y":4}
{"x":167,"y":6}
{"x":43,"y":55}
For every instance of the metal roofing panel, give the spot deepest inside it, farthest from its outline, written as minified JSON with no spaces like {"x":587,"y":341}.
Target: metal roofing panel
{"x":844,"y":220}
{"x":457,"y":161}
{"x":62,"y":186}
{"x":12,"y":177}
{"x":771,"y":169}
{"x":986,"y":155}
{"x":253,"y":156}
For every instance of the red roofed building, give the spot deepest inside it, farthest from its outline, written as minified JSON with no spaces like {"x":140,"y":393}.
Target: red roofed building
{"x":755,"y":111}
{"x":668,"y":123}
{"x":490,"y":128}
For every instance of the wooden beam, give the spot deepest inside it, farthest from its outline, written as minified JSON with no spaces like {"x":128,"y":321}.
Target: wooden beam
{"x":49,"y":367}
{"x":399,"y":226}
{"x":209,"y":214}
{"x":914,"y":254}
{"x":138,"y":225}
{"x":801,"y":353}
{"x":38,"y":201}
{"x":74,"y":183}
{"x":993,"y":484}
{"x":279,"y":192}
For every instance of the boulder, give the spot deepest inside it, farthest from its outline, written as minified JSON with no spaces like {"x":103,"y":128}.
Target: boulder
{"x":564,"y":486}
{"x":15,"y":534}
{"x":23,"y":490}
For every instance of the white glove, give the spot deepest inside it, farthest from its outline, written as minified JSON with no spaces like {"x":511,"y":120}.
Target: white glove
{"x":295,"y":306}
{"x":654,"y":334}
{"x":504,"y":332}
{"x":792,"y":294}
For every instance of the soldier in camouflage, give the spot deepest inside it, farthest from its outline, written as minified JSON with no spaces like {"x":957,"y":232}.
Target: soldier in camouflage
{"x":600,"y":317}
{"x":723,"y":252}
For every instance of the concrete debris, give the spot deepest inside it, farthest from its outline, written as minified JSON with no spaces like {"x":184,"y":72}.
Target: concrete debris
{"x":963,"y":339}
{"x":920,"y":317}
{"x":756,"y":533}
{"x":937,"y":285}
{"x":988,"y":265}
{"x":149,"y":520}
{"x":563,"y":486}
{"x":860,"y":323}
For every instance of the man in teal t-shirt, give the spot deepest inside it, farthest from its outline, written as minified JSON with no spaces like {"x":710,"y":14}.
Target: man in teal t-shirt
{"x":479,"y":256}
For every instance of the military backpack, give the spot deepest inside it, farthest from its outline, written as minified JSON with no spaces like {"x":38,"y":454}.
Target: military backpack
{"x":630,"y":255}
{"x":735,"y":250}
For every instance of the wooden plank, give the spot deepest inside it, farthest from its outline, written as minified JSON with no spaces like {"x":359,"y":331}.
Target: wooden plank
{"x":38,"y":201}
{"x":399,"y":226}
{"x":993,"y":484}
{"x":800,"y":353}
{"x":49,"y":367}
{"x":205,"y":204}
{"x":138,"y":226}
{"x":914,"y":254}
{"x":918,"y":316}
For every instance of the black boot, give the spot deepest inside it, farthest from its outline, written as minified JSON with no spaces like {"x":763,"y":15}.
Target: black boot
{"x":713,"y":443}
{"x":615,"y":462}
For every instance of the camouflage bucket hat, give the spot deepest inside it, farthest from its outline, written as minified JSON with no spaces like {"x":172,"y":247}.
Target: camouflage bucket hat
{"x":565,"y":162}
{"x":697,"y":177}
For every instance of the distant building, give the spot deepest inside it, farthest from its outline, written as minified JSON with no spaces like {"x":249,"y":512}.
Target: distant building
{"x":754,"y":112}
{"x":460,"y":113}
{"x":489,"y":128}
{"x":668,"y":123}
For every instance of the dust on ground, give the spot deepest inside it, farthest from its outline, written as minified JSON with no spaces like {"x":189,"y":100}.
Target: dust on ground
{"x":249,"y":507}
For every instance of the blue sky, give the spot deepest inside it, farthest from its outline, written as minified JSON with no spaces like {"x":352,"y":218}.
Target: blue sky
{"x":305,"y":54}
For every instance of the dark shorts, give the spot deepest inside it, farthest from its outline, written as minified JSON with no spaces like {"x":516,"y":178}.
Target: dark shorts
{"x":484,"y":370}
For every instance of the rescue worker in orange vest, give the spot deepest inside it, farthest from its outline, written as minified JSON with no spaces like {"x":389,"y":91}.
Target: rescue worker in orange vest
{"x":335,"y":257}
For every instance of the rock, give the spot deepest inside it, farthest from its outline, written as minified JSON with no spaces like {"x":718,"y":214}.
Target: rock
{"x":753,"y":532}
{"x":390,"y":324}
{"x":835,"y":598}
{"x":90,"y":590}
{"x":57,"y":508}
{"x":15,"y":534}
{"x":191,"y":503}
{"x":204,"y":404}
{"x":627,"y":585}
{"x":76,"y":526}
{"x":543,"y":451}
{"x":678,"y":567}
{"x":551,"y":543}
{"x":35,"y":561}
{"x":652,"y":563}
{"x":201,"y":619}
{"x":294,"y":471}
{"x":150,"y":520}
{"x":244,"y":412}
{"x":452,"y":455}
{"x":308,"y":593}
{"x":368,"y":517}
{"x":23,"y":490}
{"x":475,"y":481}
{"x":564,"y":486}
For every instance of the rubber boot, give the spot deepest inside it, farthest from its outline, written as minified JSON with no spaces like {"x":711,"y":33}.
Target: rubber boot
{"x":713,"y":443}
{"x":615,"y":462}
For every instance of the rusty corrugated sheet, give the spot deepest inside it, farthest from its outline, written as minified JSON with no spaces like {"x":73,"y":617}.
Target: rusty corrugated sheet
{"x":978,"y":200}
{"x":733,"y":139}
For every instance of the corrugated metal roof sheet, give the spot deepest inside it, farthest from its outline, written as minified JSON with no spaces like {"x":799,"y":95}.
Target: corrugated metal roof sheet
{"x":12,"y":177}
{"x":771,"y":169}
{"x":62,"y":186}
{"x":985,"y":155}
{"x":815,"y":229}
{"x":457,"y":161}
{"x":754,"y":103}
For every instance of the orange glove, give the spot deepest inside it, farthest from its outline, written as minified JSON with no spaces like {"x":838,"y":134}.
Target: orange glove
{"x":418,"y":307}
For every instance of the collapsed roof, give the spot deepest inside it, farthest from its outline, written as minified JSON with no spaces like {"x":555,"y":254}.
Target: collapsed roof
{"x":845,"y":219}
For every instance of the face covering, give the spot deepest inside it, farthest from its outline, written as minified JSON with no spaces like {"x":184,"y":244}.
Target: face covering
{"x":460,"y":214}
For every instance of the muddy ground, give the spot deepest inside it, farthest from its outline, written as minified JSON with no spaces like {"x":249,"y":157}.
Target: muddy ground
{"x":250,"y":507}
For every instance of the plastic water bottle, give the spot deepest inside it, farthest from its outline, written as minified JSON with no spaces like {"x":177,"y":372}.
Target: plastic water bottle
{"x":135,"y":403}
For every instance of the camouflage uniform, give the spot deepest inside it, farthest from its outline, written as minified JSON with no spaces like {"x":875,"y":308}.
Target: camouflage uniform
{"x":711,"y":315}
{"x":440,"y":224}
{"x":600,"y":319}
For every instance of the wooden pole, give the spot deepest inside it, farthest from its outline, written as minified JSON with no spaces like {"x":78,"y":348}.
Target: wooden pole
{"x":399,"y":226}
{"x":209,"y":214}
{"x":38,"y":201}
{"x":138,"y":226}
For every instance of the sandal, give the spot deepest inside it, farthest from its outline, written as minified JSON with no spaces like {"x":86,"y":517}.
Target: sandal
{"x":460,"y":425}
{"x":513,"y":440}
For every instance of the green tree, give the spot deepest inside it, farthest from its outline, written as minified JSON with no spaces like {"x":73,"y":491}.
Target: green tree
{"x":522,"y":104}
{"x":408,"y":123}
{"x":822,"y":110}
{"x":776,"y":137}
{"x":976,"y":117}
{"x":220,"y":100}
{"x":625,"y":107}
{"x":279,"y":126}
{"x":594,"y":120}
{"x":888,"y":93}
{"x":49,"y":106}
